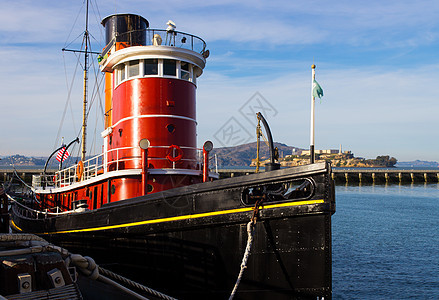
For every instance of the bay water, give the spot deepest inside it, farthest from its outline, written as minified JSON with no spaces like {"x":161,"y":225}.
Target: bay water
{"x":386,"y":242}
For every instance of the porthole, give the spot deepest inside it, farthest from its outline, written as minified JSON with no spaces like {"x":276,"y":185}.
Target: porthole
{"x":113,"y":189}
{"x":150,"y":188}
{"x":171,"y":128}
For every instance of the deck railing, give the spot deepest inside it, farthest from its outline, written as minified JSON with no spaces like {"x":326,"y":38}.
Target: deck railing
{"x":149,"y":37}
{"x":117,"y":159}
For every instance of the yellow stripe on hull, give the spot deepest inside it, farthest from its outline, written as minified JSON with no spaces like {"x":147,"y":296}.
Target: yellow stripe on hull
{"x":185,"y":217}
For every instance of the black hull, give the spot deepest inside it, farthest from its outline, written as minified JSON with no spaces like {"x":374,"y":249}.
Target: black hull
{"x":189,"y":242}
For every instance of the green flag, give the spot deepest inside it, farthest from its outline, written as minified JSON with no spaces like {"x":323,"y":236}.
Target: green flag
{"x":317,"y":90}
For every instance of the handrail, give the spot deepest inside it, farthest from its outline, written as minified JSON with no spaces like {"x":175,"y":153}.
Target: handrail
{"x":169,"y":38}
{"x":97,"y":165}
{"x":38,"y":212}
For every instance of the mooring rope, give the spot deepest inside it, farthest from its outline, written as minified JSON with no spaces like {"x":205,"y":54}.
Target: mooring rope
{"x":250,"y":235}
{"x":250,"y":232}
{"x":134,"y":284}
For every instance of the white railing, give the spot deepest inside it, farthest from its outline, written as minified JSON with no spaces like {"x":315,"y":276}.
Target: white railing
{"x":116,"y":160}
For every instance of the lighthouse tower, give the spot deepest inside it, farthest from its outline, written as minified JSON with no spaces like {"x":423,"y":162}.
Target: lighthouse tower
{"x":150,"y":86}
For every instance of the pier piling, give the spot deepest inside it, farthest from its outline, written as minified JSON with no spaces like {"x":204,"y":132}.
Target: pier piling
{"x":384,"y":176}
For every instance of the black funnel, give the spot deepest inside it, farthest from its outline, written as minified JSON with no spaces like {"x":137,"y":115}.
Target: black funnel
{"x":127,"y":28}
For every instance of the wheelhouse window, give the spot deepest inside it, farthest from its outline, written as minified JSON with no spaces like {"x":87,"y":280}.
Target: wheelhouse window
{"x":119,"y":74}
{"x":155,"y":67}
{"x":194,"y":76}
{"x":133,"y":68}
{"x":169,"y":67}
{"x":122,"y":72}
{"x":151,"y":67}
{"x":184,"y":71}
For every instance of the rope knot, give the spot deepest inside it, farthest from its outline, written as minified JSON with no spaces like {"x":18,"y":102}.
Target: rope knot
{"x":86,"y":265}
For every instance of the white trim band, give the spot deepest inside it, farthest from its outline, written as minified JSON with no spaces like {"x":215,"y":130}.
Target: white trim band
{"x":153,"y":116}
{"x":145,"y":52}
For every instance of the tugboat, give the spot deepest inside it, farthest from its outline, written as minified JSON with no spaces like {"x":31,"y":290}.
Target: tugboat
{"x":149,"y":207}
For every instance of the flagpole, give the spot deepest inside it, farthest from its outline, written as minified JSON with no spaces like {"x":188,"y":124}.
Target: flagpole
{"x":311,"y":146}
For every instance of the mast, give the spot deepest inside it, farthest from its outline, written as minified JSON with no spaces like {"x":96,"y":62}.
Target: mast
{"x":84,"y":106}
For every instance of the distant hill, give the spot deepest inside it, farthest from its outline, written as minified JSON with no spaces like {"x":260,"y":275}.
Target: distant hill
{"x":242,"y":155}
{"x":20,"y":160}
{"x":417,"y":164}
{"x":27,"y":161}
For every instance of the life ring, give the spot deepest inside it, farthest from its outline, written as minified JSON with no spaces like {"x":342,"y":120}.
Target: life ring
{"x":171,"y":152}
{"x":79,"y":170}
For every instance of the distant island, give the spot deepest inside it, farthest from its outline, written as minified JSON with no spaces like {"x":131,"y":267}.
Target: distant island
{"x":245,"y":156}
{"x":345,"y":160}
{"x":338,"y":159}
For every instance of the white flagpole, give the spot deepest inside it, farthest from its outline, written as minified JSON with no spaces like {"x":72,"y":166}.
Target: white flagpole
{"x":311,"y":146}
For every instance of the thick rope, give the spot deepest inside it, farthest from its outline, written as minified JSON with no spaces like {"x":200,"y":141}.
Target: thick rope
{"x":250,"y":232}
{"x":6,"y":237}
{"x":89,"y":268}
{"x":121,"y":287}
{"x":250,"y":235}
{"x":134,"y":284}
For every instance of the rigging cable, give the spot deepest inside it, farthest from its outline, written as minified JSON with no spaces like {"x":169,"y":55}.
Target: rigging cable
{"x":26,"y":185}
{"x":95,"y":95}
{"x":73,"y":26}
{"x":67,"y":101}
{"x":98,"y":21}
{"x":96,"y":88}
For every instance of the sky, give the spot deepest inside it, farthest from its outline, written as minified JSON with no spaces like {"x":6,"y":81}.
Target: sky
{"x":377,"y":62}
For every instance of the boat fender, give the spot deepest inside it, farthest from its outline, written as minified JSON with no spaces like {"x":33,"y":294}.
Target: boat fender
{"x":79,"y":170}
{"x":171,"y":152}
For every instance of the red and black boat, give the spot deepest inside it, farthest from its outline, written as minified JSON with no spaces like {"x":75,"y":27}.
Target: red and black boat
{"x":150,"y":208}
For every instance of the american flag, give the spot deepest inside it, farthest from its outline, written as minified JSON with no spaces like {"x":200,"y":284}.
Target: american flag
{"x":59,"y":155}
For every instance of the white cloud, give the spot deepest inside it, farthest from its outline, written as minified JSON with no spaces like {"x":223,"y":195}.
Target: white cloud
{"x":383,"y":102}
{"x":371,"y":111}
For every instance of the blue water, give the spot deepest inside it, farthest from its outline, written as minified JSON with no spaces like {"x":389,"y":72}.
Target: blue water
{"x":386,"y":242}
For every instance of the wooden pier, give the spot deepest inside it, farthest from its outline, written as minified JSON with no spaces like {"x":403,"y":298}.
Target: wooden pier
{"x":363,"y":175}
{"x":373,"y":175}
